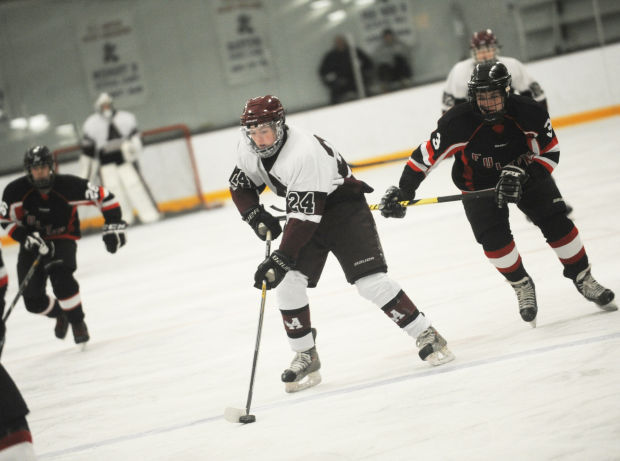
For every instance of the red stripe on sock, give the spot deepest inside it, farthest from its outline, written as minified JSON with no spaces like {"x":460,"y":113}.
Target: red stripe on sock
{"x":15,"y":438}
{"x":566,"y":239}
{"x":501,"y":252}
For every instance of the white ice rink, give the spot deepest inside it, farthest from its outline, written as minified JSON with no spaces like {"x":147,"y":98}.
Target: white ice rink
{"x":173,"y":320}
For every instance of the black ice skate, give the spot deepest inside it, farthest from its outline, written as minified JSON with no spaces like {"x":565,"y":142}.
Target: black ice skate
{"x":80,"y":332}
{"x":526,"y":294}
{"x":433,"y":348}
{"x":62,"y":325}
{"x":303,"y":371}
{"x":594,"y":291}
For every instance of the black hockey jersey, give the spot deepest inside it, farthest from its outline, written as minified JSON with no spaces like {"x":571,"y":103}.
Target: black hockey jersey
{"x":480,"y":150}
{"x":54,"y":215}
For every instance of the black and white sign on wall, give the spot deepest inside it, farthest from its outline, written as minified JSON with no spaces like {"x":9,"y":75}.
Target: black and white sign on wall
{"x":241,"y":33}
{"x":111,"y":58}
{"x":374,"y":18}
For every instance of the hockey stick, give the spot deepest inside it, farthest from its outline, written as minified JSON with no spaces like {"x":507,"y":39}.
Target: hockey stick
{"x":238,"y":415}
{"x":445,"y":198}
{"x":20,"y":291}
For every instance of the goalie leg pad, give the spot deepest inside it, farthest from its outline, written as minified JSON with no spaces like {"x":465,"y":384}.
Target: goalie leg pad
{"x":111,"y":180}
{"x":138,"y":195}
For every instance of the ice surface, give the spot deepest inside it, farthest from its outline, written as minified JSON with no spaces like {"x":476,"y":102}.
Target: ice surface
{"x":173,"y":319}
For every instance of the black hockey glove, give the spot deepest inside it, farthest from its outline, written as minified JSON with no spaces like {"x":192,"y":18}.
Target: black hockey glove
{"x":114,"y":236}
{"x":510,"y":185}
{"x":389,"y":206}
{"x":273,"y":269}
{"x":33,"y":242}
{"x":256,"y":216}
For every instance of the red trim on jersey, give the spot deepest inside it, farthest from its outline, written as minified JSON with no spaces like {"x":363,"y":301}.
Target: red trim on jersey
{"x":468,"y":173}
{"x":62,"y":237}
{"x":551,"y":145}
{"x":566,"y":239}
{"x":514,"y":267}
{"x":413,"y":166}
{"x":573,"y":259}
{"x":547,"y":167}
{"x":15,"y":438}
{"x":501,"y":252}
{"x":111,"y":207}
{"x":4,"y":280}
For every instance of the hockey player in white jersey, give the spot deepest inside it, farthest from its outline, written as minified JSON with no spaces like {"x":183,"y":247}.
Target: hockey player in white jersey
{"x":111,"y":147}
{"x":484,"y":48}
{"x":326,"y":212}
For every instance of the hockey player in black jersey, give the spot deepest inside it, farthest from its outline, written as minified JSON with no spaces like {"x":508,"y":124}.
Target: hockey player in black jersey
{"x":15,"y":436}
{"x":39,"y":210}
{"x":503,"y":141}
{"x":326,"y":213}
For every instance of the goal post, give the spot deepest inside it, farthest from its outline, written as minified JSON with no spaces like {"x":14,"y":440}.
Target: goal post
{"x":167,"y":164}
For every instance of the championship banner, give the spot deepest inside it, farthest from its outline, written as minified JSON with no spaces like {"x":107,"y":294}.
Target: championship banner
{"x":387,"y":14}
{"x":241,"y":31}
{"x":111,"y":58}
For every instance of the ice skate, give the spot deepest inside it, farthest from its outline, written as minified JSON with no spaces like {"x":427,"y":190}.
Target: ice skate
{"x":80,"y":332}
{"x":594,"y":291}
{"x":433,"y":348}
{"x":303,"y":371}
{"x":526,"y":294}
{"x":62,"y":325}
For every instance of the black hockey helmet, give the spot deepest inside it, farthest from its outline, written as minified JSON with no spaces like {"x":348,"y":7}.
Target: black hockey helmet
{"x":488,"y":82}
{"x":38,"y":156}
{"x":264,"y":110}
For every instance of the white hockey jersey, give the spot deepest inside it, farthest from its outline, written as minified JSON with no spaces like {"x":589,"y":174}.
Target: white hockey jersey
{"x":96,"y":130}
{"x":455,"y":90}
{"x":305,"y":171}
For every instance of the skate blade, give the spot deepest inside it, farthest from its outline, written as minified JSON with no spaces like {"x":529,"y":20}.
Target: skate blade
{"x":532,"y":323}
{"x":443,"y":355}
{"x":311,"y":380}
{"x":609,"y":307}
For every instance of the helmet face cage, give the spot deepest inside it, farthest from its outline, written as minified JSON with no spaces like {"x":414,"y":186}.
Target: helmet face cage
{"x":104,"y":100}
{"x":489,"y":87}
{"x":484,"y":46}
{"x":263,"y":111}
{"x":38,"y":156}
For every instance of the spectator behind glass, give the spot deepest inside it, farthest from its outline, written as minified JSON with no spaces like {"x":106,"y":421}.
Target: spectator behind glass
{"x":393,"y":63}
{"x":337,"y":72}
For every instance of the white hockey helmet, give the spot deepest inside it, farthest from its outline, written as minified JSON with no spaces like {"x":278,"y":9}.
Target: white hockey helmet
{"x":103,"y":102}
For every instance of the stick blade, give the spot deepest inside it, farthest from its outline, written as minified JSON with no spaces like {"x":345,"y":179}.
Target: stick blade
{"x":238,"y":415}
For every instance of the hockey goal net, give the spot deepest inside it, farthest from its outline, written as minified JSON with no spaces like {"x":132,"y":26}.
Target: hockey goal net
{"x":167,"y":165}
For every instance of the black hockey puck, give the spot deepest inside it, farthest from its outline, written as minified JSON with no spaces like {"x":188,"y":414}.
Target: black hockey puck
{"x":245,"y":419}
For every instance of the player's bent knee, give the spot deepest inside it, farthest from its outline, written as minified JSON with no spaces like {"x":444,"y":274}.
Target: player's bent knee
{"x":36,"y":305}
{"x":291,"y":292}
{"x":378,"y":288}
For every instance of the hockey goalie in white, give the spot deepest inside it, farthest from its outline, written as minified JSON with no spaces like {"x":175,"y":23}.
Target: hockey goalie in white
{"x":111,"y":147}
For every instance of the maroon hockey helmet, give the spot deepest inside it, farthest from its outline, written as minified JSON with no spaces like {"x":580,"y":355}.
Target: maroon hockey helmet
{"x":264,"y":110}
{"x":483,"y":38}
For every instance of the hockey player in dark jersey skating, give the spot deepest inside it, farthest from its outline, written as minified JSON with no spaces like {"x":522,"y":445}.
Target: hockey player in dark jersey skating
{"x":326,"y":212}
{"x":503,"y":141}
{"x":39,"y":210}
{"x":15,"y":436}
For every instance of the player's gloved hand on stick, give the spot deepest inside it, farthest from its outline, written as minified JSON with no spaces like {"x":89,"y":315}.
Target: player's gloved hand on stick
{"x":510,"y":185}
{"x":114,"y":236}
{"x":273,"y":269}
{"x":256,"y":216}
{"x":390,"y":206}
{"x":33,"y":242}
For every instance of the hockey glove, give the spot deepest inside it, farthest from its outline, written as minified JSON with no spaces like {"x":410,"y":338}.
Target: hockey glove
{"x":256,"y":216}
{"x":510,"y":185}
{"x":114,"y":236}
{"x":390,"y":206}
{"x":33,"y":242}
{"x":272,"y":270}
